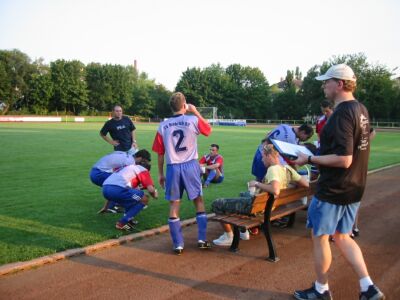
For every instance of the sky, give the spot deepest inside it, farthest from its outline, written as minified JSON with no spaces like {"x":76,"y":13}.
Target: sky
{"x":168,"y":36}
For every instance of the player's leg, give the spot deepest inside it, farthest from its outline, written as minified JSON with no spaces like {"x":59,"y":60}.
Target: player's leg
{"x":173,"y":193}
{"x":98,"y":177}
{"x":133,"y":201}
{"x":322,"y":218}
{"x":192,"y":184}
{"x":352,"y":252}
{"x":134,"y":204}
{"x":210,"y":177}
{"x":175,"y":226}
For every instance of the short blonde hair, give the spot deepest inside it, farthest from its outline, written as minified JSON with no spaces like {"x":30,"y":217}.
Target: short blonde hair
{"x":177,"y":101}
{"x":269,"y":149}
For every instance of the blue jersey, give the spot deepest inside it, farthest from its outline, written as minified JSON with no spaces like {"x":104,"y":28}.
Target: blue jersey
{"x":284,"y":133}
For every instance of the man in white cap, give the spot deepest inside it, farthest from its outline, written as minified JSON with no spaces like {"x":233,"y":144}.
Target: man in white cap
{"x":343,"y":163}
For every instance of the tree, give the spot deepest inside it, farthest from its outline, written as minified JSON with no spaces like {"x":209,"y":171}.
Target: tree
{"x":40,"y":93}
{"x":143,"y":104}
{"x":286,"y":104}
{"x":161,"y":97}
{"x":15,"y":71}
{"x":70,"y":89}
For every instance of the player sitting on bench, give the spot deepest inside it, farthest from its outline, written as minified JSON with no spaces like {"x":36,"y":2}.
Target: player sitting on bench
{"x":278,"y":177}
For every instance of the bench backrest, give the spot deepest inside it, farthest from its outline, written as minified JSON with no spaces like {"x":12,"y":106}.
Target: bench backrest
{"x":286,"y":196}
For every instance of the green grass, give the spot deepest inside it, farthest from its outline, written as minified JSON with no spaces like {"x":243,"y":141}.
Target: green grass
{"x":48,"y":203}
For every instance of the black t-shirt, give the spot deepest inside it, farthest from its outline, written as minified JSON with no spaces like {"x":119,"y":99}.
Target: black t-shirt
{"x":120,"y":130}
{"x":345,"y":133}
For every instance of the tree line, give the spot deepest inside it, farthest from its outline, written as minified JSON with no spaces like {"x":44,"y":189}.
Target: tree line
{"x":71,"y":87}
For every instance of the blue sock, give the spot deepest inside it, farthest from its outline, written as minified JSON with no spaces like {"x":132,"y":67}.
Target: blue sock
{"x":201,"y":219}
{"x":210,"y":176}
{"x":131,"y":212}
{"x":175,"y":229}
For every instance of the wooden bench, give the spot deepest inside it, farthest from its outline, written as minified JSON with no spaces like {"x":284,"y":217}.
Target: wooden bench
{"x":265,"y":209}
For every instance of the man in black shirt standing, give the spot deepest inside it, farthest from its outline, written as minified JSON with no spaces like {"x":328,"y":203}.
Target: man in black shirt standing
{"x":343,"y":163}
{"x":121,"y":130}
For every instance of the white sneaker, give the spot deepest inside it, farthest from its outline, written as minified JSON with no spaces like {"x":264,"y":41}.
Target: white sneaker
{"x":245,"y":236}
{"x":224,"y":240}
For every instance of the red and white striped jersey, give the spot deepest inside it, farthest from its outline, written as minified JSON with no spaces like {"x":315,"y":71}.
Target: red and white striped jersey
{"x":177,"y":138}
{"x":114,"y":161}
{"x":130,"y":177}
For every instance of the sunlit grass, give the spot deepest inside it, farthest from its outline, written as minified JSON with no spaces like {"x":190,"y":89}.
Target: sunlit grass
{"x":48,"y":203}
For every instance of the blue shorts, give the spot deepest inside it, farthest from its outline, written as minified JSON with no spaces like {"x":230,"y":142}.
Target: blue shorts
{"x":126,"y":197}
{"x":180,"y":177}
{"x":98,"y":177}
{"x":326,"y":218}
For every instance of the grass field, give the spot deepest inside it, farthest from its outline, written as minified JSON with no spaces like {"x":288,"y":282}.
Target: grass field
{"x":48,"y":203}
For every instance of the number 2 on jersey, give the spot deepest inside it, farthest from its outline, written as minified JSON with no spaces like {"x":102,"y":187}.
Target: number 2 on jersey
{"x":181,"y":136}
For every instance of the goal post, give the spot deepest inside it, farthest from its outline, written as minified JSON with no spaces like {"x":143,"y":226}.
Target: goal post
{"x":209,"y":113}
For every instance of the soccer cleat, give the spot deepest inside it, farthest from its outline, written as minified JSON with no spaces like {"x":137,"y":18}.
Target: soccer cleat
{"x":373,"y":293}
{"x":356,"y":232}
{"x":178,"y":250}
{"x":281,"y":223}
{"x":203,"y":244}
{"x":112,"y":210}
{"x":133,"y":222}
{"x":312,"y":293}
{"x":122,"y":226}
{"x":245,"y":236}
{"x":224,"y":240}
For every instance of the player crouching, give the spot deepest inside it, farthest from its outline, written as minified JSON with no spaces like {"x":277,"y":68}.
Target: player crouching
{"x":124,"y":188}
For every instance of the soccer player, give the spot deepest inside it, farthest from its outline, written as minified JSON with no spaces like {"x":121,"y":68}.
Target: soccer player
{"x":327,"y":111}
{"x":110,"y":163}
{"x":125,"y":188}
{"x":278,"y":177}
{"x":176,"y":139}
{"x":121,"y":130}
{"x":214,"y":166}
{"x":284,"y":133}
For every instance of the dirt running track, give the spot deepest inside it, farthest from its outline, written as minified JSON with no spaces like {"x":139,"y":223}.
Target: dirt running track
{"x":148,"y":270}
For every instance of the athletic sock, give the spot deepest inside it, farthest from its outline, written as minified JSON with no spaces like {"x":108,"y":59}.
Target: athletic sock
{"x":131,"y":212}
{"x":175,"y":229}
{"x":365,"y":283}
{"x":201,"y":219}
{"x":321,"y":288}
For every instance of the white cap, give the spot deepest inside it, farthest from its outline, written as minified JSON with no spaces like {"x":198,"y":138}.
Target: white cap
{"x":341,"y":71}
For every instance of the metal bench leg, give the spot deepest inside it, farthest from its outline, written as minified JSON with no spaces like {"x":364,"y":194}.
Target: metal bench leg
{"x":271,"y":246}
{"x":236,"y":238}
{"x":267,"y":230}
{"x":292,"y":218}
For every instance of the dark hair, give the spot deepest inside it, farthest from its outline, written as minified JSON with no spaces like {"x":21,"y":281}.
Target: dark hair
{"x":145,"y":164}
{"x":313,"y":149}
{"x":327,"y":104}
{"x":307,"y":129}
{"x":143,"y":154}
{"x":215,"y":145}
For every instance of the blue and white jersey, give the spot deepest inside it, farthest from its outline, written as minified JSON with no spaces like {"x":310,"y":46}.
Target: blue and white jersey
{"x":114,"y":161}
{"x":130,"y":177}
{"x":177,"y":138}
{"x":284,"y":133}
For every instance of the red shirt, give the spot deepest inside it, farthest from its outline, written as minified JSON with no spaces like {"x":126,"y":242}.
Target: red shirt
{"x":218,"y":159}
{"x":320,"y":124}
